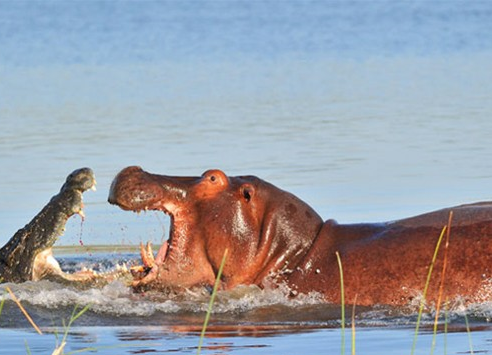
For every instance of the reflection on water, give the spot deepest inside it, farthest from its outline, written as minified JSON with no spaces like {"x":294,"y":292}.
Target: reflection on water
{"x":123,"y":340}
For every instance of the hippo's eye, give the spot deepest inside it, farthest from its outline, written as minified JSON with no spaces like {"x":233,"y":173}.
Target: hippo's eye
{"x":213,"y":178}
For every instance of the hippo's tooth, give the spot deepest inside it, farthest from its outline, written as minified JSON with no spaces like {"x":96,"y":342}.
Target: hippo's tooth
{"x":150,"y":252}
{"x":147,"y":255}
{"x":161,"y":254}
{"x":93,"y":187}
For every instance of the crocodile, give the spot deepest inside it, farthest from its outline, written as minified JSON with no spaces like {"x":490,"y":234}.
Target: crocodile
{"x":28,"y":255}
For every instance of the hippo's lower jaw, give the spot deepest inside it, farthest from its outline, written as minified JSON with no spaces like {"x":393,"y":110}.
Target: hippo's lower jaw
{"x":147,"y":273}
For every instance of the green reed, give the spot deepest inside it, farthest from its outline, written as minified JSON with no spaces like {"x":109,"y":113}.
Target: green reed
{"x":211,"y":303}
{"x":468,"y":331}
{"x":441,"y":285}
{"x":353,"y":326}
{"x":2,"y":302}
{"x":75,"y":315}
{"x":342,"y":301}
{"x":427,"y":282}
{"x":28,"y":349}
{"x":446,"y":320}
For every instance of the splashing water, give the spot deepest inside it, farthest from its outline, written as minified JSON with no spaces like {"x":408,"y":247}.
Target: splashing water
{"x":116,"y":303}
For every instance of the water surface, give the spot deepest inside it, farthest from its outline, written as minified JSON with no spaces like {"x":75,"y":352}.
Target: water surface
{"x":367,"y":110}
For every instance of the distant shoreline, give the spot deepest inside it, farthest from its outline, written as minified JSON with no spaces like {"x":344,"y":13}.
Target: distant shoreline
{"x":79,"y":249}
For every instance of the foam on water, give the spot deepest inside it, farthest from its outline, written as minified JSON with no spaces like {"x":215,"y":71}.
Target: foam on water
{"x":117,"y":303}
{"x":113,"y":299}
{"x":249,"y":304}
{"x":118,"y":299}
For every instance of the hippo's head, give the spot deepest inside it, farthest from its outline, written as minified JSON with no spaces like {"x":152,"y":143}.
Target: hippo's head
{"x":266,"y":230}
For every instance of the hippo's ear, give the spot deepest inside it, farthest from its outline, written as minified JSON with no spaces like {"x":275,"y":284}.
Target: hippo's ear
{"x":247,"y":190}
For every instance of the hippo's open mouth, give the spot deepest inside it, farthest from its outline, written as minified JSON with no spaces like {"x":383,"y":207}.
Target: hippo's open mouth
{"x":181,"y":261}
{"x":168,"y":252}
{"x":139,"y":193}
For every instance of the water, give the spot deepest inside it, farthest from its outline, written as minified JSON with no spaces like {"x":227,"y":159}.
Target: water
{"x":90,"y":340}
{"x":245,"y":320}
{"x":369,"y":111}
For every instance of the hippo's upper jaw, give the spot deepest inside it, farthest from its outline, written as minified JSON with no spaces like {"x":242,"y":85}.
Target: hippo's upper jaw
{"x":263,"y":227}
{"x":136,"y":190}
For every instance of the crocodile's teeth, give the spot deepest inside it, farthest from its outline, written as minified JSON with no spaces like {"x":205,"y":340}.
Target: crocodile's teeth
{"x":81,"y":214}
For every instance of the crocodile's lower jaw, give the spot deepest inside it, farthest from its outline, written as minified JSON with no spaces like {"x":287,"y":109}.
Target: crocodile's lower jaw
{"x":45,"y":264}
{"x":47,"y":267}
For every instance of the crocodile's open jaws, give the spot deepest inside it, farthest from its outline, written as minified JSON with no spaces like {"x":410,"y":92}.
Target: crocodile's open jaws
{"x":28,"y":254}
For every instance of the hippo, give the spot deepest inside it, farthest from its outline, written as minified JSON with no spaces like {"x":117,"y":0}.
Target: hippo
{"x":28,"y":255}
{"x":274,"y":238}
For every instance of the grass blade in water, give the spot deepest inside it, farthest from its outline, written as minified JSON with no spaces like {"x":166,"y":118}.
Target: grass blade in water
{"x":342,"y":301}
{"x":28,"y":317}
{"x":212,"y":298}
{"x":422,"y":302}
